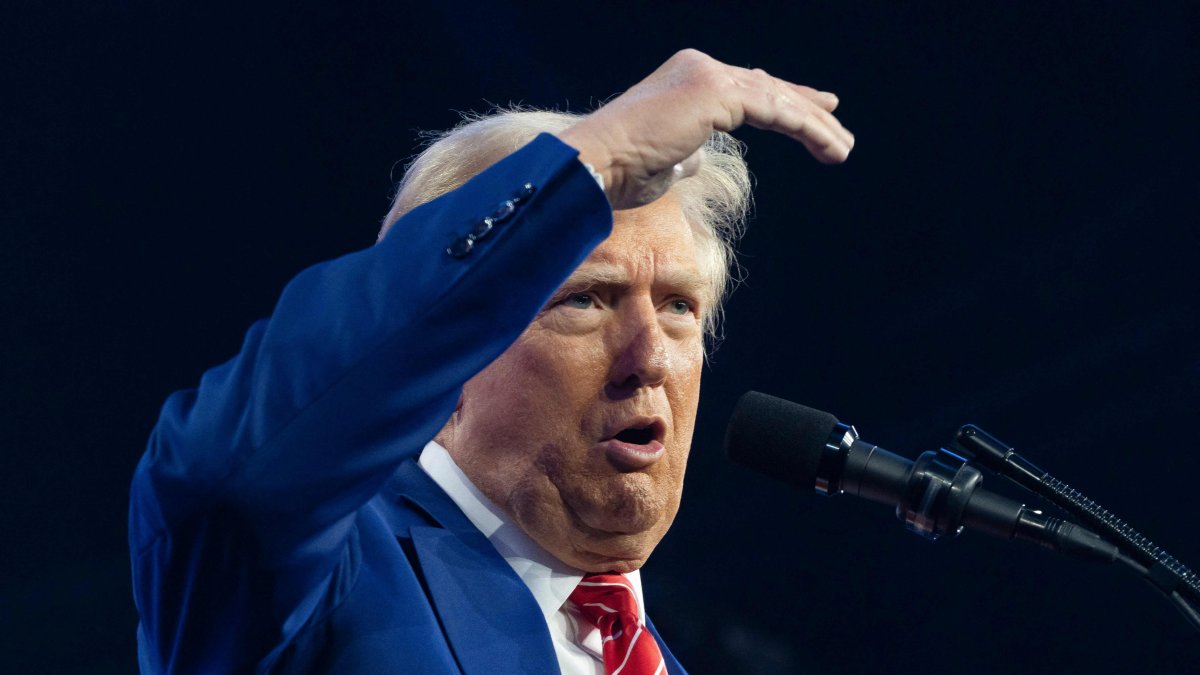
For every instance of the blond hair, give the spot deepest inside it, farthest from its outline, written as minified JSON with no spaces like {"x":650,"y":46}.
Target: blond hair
{"x":715,"y":200}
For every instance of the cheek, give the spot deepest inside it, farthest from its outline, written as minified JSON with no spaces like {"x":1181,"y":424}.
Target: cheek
{"x":688,"y":362}
{"x":537,"y":385}
{"x":571,"y":366}
{"x":684,"y":398}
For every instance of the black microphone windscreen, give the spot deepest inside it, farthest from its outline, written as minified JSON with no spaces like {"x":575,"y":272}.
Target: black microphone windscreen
{"x":782,"y":439}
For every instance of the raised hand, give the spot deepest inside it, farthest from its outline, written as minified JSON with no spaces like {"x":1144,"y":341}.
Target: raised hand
{"x":644,"y":140}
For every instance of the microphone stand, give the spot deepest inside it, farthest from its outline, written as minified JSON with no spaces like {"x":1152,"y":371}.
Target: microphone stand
{"x":1169,"y":576}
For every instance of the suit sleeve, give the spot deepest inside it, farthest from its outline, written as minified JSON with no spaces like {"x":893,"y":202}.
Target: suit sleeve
{"x":244,"y":502}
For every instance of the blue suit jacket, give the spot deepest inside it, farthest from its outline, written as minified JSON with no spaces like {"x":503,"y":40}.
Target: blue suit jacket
{"x":278,"y":521}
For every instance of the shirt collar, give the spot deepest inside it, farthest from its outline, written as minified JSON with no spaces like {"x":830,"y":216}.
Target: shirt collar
{"x":549,"y":579}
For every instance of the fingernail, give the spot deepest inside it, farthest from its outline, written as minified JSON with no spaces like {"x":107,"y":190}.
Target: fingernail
{"x":828,"y":96}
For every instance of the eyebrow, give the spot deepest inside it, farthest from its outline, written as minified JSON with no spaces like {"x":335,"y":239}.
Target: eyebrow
{"x":596,"y":275}
{"x":604,"y":274}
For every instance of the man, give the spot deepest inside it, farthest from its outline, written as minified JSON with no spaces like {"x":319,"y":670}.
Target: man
{"x":278,"y":522}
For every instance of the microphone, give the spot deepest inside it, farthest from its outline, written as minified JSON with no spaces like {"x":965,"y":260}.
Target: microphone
{"x":935,"y":496}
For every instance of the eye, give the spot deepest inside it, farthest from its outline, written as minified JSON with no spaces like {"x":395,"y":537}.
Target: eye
{"x":680,"y":306}
{"x":579,"y":301}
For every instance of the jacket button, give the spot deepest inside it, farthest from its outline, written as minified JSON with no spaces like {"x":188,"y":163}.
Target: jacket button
{"x":482,"y":229}
{"x":461,"y":247}
{"x":526,"y":190}
{"x":503,"y":211}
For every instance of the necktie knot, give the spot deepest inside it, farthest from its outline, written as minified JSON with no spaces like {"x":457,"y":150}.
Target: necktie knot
{"x":606,"y":597}
{"x":608,"y":602}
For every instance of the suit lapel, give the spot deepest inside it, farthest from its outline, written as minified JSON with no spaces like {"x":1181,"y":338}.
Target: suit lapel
{"x":491,"y":620}
{"x":673,"y":666}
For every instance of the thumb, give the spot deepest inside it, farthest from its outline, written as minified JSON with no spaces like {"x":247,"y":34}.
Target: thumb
{"x":657,"y":185}
{"x":690,"y":166}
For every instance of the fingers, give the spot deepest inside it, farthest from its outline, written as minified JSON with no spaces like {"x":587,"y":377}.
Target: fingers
{"x":826,"y":99}
{"x":807,"y":119}
{"x":800,"y":112}
{"x":828,"y":133}
{"x":648,"y":138}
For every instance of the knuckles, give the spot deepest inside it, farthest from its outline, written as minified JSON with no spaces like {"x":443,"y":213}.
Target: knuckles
{"x":695,"y":69}
{"x":689,"y":56}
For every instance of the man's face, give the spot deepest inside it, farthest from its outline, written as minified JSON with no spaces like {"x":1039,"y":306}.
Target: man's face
{"x":581,"y":430}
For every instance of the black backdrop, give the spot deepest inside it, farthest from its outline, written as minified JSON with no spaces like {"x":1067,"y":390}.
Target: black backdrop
{"x":1012,"y":243}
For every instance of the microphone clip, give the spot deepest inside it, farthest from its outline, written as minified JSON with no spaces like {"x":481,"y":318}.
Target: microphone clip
{"x":939,"y":487}
{"x":930,"y":494}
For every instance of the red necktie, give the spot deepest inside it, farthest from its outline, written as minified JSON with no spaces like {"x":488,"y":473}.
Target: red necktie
{"x":608,"y":601}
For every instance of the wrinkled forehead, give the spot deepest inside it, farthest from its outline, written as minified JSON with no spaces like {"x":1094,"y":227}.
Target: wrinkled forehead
{"x":653,"y":244}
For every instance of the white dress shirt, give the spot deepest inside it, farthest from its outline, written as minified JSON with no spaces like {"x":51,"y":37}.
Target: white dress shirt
{"x":576,"y":641}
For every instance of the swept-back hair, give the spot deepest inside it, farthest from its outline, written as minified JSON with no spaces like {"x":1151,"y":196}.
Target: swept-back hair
{"x":715,"y":200}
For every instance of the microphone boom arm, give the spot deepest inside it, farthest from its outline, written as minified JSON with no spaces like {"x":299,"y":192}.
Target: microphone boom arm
{"x":1162,"y":570}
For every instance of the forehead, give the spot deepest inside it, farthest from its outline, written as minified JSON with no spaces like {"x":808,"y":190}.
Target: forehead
{"x":655,"y":239}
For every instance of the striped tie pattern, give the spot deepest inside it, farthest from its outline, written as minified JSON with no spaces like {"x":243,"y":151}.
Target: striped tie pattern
{"x":608,"y":602}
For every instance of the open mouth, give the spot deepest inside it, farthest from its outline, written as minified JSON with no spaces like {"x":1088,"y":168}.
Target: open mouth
{"x":637,"y":435}
{"x":637,"y":446}
{"x":640,"y":431}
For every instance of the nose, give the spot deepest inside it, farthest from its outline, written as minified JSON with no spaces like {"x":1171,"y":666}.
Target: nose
{"x":640,"y":354}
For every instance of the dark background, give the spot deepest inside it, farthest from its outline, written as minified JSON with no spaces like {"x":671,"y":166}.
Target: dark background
{"x":1012,"y":243}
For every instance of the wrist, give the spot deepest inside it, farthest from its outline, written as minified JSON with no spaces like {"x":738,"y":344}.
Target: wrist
{"x":593,"y":155}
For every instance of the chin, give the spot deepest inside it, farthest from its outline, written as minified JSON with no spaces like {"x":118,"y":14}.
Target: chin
{"x":590,"y":561}
{"x":612,"y":552}
{"x":620,"y":567}
{"x":596,"y":526}
{"x":630,"y":506}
